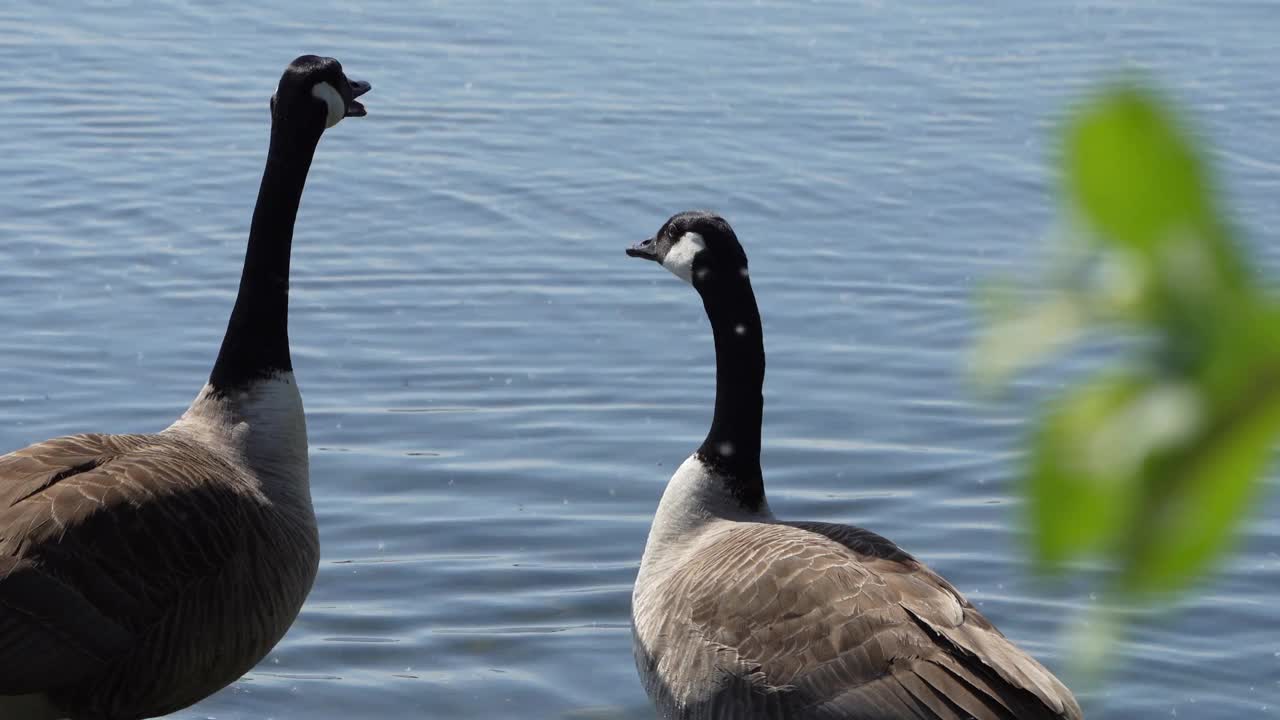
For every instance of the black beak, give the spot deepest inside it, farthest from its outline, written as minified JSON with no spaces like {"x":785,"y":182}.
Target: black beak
{"x":647,"y":249}
{"x":358,"y":88}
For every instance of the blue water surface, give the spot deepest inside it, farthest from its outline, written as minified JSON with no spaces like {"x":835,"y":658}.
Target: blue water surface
{"x":496,"y":395}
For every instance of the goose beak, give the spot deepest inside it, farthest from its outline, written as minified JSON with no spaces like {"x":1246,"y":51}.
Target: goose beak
{"x":358,"y":88}
{"x":647,"y":249}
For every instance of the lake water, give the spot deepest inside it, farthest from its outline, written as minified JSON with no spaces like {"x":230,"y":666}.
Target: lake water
{"x":496,"y":395}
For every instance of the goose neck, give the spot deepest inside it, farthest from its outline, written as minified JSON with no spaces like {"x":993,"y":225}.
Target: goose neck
{"x":256,"y":344}
{"x":732,"y":446}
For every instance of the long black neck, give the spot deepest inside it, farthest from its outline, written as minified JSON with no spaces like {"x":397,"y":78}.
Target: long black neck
{"x":257,"y":341}
{"x":733,"y":444}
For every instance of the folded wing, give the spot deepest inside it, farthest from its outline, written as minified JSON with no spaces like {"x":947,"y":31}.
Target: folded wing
{"x":100,"y":536}
{"x":829,"y":621}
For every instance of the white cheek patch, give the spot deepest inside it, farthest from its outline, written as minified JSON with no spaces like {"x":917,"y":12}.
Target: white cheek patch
{"x":333,"y":99}
{"x":679,"y":259}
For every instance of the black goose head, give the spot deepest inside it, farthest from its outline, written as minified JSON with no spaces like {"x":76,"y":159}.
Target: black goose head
{"x":315,"y":93}
{"x":697,"y":246}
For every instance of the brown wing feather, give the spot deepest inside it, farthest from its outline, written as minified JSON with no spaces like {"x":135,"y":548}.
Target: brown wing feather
{"x":843,"y":624}
{"x":89,"y":562}
{"x":971,"y":641}
{"x":40,"y":639}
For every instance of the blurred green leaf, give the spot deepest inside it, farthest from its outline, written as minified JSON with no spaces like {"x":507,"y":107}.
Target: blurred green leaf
{"x":1140,"y":185}
{"x":1017,"y":338}
{"x":1153,"y":464}
{"x":1133,"y":174}
{"x":1200,"y":494}
{"x":1076,"y":499}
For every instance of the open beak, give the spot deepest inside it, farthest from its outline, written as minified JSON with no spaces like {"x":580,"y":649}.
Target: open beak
{"x":647,"y":249}
{"x":358,"y":88}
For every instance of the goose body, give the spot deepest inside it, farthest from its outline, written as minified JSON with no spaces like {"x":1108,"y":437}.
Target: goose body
{"x":140,"y":573}
{"x":738,"y":614}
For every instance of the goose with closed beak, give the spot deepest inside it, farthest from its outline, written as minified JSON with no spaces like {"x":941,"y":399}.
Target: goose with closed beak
{"x":141,"y":573}
{"x":737,"y":614}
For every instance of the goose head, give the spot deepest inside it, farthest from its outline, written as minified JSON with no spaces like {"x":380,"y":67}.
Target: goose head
{"x":315,"y":92}
{"x":697,"y":246}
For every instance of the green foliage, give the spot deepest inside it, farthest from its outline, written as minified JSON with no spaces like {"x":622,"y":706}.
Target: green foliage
{"x":1154,"y":462}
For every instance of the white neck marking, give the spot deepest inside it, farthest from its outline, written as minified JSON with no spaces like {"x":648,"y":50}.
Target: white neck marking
{"x":696,"y":498}
{"x":262,"y":429}
{"x":679,"y":259}
{"x":333,"y":100}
